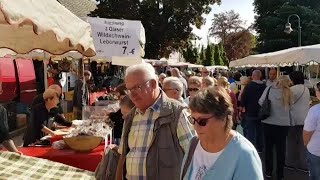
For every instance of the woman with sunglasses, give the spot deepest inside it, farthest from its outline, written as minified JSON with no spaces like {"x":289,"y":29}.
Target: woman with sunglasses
{"x":218,"y":152}
{"x":194,"y":85}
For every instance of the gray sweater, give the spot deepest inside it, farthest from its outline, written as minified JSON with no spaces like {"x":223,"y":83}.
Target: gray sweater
{"x":300,"y":108}
{"x":279,"y":114}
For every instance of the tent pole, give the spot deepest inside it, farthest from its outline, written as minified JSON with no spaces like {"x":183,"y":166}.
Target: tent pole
{"x":45,"y":70}
{"x":317,"y":72}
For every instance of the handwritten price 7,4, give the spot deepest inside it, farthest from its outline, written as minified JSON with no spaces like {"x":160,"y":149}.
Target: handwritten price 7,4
{"x":125,"y":50}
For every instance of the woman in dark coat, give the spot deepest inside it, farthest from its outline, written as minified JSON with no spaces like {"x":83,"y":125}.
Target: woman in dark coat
{"x":43,"y":117}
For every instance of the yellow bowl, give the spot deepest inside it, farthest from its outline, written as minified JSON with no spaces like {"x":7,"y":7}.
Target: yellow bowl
{"x":83,"y":143}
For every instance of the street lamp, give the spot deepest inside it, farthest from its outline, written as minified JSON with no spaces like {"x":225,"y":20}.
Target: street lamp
{"x":288,"y":28}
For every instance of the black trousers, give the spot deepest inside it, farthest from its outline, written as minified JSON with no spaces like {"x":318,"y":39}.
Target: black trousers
{"x":275,"y":136}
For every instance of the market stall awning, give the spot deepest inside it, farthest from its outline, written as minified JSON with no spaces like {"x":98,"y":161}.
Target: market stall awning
{"x":80,"y":8}
{"x":39,"y":54}
{"x":26,"y":25}
{"x":287,"y":57}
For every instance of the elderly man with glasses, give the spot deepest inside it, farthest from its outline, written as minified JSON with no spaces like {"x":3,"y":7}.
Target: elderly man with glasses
{"x":173,"y":88}
{"x":156,"y":133}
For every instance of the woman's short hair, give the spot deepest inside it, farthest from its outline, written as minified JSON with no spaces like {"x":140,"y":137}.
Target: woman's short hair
{"x":209,"y":81}
{"x":244,"y":80}
{"x":223,"y":82}
{"x":126,"y":101}
{"x":215,"y":101}
{"x":174,"y":83}
{"x":194,"y":80}
{"x":297,"y":77}
{"x":50,"y":94}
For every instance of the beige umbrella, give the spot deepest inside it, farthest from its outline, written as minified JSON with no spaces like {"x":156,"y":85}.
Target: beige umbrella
{"x":26,"y":25}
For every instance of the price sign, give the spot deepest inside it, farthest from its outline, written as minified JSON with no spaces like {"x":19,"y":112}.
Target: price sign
{"x":113,"y":37}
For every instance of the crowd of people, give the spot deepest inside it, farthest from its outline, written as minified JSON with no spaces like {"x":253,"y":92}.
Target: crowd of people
{"x":195,"y":137}
{"x":185,"y":127}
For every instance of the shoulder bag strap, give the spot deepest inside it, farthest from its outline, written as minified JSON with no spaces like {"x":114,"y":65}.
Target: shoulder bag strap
{"x":192,"y":148}
{"x":267,"y":96}
{"x":304,"y":89}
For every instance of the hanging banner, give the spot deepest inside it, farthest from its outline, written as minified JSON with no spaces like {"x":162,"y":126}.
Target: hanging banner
{"x":114,"y":37}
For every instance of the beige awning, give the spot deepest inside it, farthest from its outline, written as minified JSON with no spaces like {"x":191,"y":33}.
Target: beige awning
{"x":80,"y":8}
{"x":287,"y":57}
{"x":26,"y":25}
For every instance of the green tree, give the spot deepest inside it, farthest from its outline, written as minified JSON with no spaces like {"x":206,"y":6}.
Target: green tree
{"x":167,"y":23}
{"x":209,"y":59}
{"x":272,"y":16}
{"x":218,"y":55}
{"x":224,"y":55}
{"x":201,"y":55}
{"x":191,"y":54}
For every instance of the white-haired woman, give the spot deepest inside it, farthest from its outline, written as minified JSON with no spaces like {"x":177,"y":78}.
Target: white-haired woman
{"x":218,"y":152}
{"x":275,"y":127}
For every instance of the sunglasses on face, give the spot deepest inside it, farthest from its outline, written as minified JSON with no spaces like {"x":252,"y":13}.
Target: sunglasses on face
{"x":193,"y":89}
{"x":200,"y":121}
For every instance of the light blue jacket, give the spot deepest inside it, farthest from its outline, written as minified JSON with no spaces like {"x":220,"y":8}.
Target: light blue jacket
{"x":238,"y":161}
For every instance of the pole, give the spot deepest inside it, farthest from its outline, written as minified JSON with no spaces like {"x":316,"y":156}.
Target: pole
{"x":299,"y":27}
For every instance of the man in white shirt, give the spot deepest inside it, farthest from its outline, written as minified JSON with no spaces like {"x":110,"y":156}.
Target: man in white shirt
{"x":272,"y":77}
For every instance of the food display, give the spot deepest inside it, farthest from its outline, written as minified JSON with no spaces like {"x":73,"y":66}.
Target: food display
{"x":92,"y":127}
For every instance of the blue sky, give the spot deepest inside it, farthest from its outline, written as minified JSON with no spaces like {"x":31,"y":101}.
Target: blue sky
{"x":243,"y":7}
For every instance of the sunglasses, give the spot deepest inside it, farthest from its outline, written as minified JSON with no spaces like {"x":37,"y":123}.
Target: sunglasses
{"x":200,"y":121}
{"x":193,"y":89}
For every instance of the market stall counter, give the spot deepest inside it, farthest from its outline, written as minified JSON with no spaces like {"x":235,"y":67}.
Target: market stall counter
{"x":83,"y":160}
{"x":13,"y":166}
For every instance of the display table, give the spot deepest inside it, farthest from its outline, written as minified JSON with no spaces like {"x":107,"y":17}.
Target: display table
{"x":87,"y":160}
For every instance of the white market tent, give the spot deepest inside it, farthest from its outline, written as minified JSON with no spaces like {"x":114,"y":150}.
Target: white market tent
{"x":26,"y":25}
{"x":80,"y":8}
{"x":288,"y":57}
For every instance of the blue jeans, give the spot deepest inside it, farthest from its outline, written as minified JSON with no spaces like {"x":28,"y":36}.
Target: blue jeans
{"x":252,"y":130}
{"x":314,"y":166}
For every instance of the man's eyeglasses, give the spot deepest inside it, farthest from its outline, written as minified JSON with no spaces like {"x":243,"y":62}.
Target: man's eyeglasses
{"x":193,"y":89}
{"x":165,"y":90}
{"x":137,"y":88}
{"x":200,"y":121}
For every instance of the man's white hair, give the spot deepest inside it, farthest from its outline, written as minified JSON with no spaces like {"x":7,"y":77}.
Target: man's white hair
{"x":174,"y":83}
{"x":145,"y":68}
